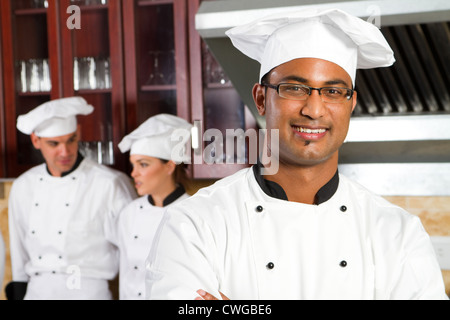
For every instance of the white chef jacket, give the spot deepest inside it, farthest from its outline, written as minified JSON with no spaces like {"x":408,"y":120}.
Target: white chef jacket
{"x":234,"y":238}
{"x":63,"y":230}
{"x":138,"y":223}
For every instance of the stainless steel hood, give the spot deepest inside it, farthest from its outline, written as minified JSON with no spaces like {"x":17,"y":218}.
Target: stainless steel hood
{"x":405,"y":129}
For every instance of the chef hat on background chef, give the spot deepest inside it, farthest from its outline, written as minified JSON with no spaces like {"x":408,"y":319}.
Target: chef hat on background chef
{"x":329,"y":34}
{"x":54,"y":118}
{"x":163,"y":136}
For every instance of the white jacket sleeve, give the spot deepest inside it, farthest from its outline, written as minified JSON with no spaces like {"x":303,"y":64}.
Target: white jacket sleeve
{"x":182,"y":259}
{"x":19,"y":256}
{"x":122,"y":193}
{"x":419,"y":276}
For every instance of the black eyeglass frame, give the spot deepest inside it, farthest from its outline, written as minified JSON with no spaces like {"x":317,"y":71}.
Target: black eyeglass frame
{"x":277,"y":88}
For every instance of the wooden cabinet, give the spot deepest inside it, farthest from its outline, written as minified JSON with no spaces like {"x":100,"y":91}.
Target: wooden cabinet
{"x":44,"y":58}
{"x":33,"y":25}
{"x":215,"y":105}
{"x":98,"y":46}
{"x":156,"y":59}
{"x":130,"y":59}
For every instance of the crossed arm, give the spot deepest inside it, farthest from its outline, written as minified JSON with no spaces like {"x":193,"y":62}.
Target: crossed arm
{"x":206,"y":296}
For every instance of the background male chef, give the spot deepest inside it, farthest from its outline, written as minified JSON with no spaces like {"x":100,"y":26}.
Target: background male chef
{"x":306,"y":232}
{"x":63,"y":213}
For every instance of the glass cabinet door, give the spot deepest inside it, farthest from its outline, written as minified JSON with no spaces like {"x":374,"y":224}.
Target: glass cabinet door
{"x":221,"y":117}
{"x":156,"y":59}
{"x":92,"y":57}
{"x":28,"y":58}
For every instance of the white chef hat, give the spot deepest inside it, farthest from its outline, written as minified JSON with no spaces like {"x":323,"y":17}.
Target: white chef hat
{"x":329,"y":34}
{"x":54,"y":118}
{"x":163,"y":136}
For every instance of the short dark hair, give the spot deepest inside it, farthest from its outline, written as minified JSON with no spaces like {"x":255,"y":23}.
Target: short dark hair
{"x":266,"y":78}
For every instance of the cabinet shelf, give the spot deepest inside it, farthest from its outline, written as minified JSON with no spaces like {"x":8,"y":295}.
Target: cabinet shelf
{"x":144,"y":3}
{"x":92,"y":91}
{"x":93,"y":7}
{"x":34,"y":94}
{"x":29,"y":12}
{"x":162,"y":87}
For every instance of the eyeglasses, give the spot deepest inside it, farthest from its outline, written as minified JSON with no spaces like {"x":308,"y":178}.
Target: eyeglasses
{"x":301,"y":92}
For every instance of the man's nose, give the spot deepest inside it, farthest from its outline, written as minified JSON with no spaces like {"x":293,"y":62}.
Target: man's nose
{"x":314,"y":107}
{"x":64,"y":149}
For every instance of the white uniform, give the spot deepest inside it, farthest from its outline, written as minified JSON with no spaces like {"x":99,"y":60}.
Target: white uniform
{"x":138,"y":223}
{"x":234,"y":238}
{"x":62,"y":230}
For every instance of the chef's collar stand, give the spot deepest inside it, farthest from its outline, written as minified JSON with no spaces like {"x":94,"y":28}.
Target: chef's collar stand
{"x":80,"y":159}
{"x":329,"y":34}
{"x":274,"y":190}
{"x":176,"y":194}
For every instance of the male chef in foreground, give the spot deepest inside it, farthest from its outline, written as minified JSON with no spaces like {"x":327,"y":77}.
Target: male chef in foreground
{"x":63,"y":213}
{"x":304,"y":232}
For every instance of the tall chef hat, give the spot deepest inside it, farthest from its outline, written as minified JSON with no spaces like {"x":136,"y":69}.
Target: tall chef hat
{"x":54,"y":118}
{"x":163,"y":136}
{"x":330,"y":34}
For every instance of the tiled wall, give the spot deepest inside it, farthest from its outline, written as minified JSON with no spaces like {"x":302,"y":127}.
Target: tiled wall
{"x":433,"y":211}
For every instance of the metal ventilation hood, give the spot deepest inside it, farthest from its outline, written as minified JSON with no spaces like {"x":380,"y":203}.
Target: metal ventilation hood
{"x":407,"y":127}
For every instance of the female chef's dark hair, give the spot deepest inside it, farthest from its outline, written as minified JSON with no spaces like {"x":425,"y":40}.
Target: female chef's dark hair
{"x":180,"y":174}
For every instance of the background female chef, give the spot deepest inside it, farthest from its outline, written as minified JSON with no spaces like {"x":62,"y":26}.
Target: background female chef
{"x":304,"y":232}
{"x":160,"y":182}
{"x":63,"y":213}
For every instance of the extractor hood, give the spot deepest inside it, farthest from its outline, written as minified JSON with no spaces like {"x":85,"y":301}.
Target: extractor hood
{"x":404,"y":130}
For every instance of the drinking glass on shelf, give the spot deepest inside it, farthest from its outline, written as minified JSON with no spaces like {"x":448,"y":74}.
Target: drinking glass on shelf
{"x":40,"y":3}
{"x":213,"y":72}
{"x":103,"y":73}
{"x":76,"y":74}
{"x":92,"y":66}
{"x":98,"y":151}
{"x":91,"y":73}
{"x":156,"y":77}
{"x":169,"y":67}
{"x":84,"y":73}
{"x":44,"y":76}
{"x":89,"y":2}
{"x":33,"y":76}
{"x":22,"y":76}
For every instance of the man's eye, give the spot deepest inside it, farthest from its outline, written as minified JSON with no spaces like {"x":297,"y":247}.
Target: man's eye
{"x":295,"y":89}
{"x":334,"y":91}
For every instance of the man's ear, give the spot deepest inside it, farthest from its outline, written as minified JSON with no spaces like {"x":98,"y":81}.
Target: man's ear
{"x":355,"y":100}
{"x":259,"y":96}
{"x":36,"y":141}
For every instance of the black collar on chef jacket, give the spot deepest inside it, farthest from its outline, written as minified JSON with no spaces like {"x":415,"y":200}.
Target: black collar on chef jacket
{"x":171,"y":197}
{"x":274,"y":190}
{"x":75,"y":166}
